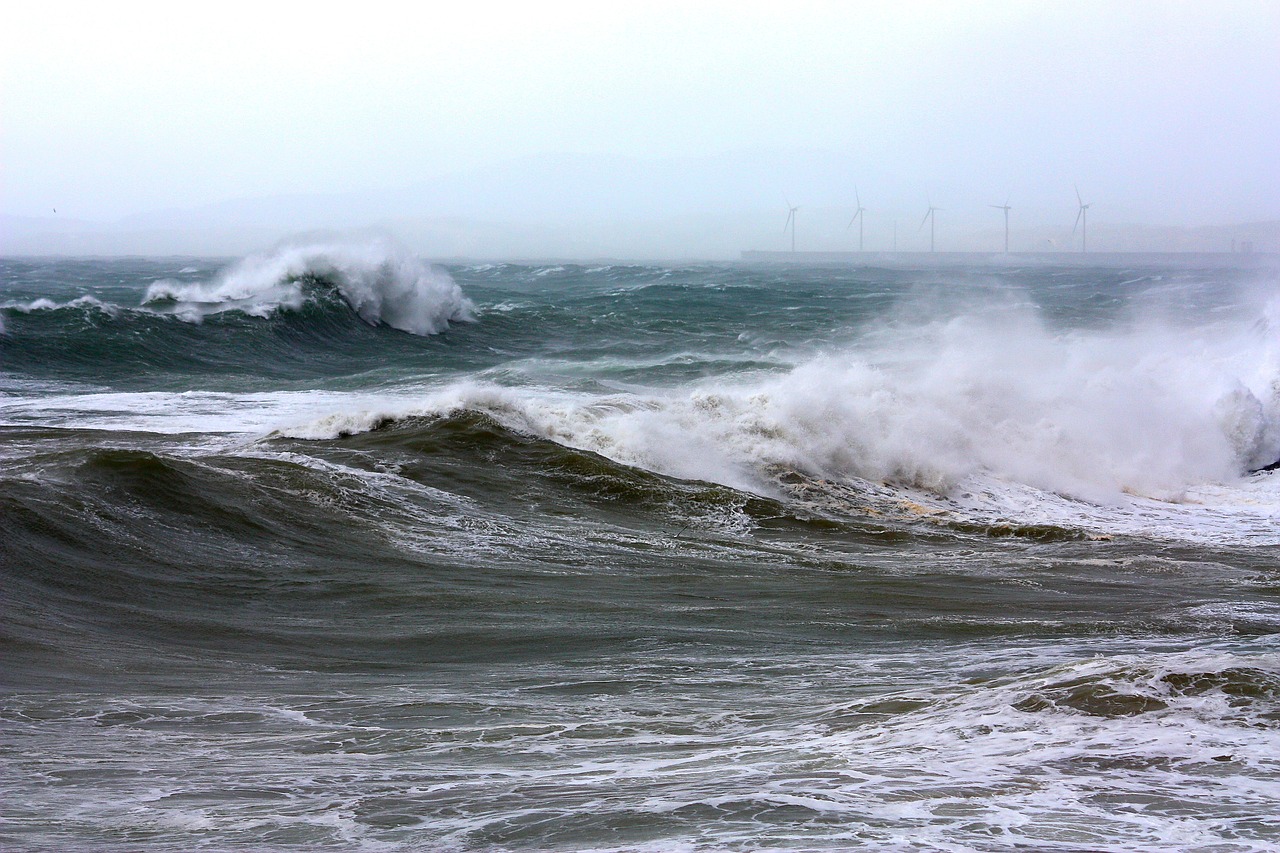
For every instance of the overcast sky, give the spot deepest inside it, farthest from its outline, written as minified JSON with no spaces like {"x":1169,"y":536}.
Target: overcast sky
{"x":1168,"y":110}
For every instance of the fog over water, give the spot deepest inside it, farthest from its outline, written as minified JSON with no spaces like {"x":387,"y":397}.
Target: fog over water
{"x":654,"y":130}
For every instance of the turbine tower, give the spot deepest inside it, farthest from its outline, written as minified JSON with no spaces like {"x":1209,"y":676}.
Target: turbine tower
{"x":929,"y":217}
{"x":1005,"y":207}
{"x":791,"y":221}
{"x":1082,"y":222}
{"x":857,"y":214}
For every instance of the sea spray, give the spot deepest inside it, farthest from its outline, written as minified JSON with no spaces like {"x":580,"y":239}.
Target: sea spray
{"x":83,"y":303}
{"x":469,"y":631}
{"x":381,"y":282}
{"x":1138,"y":408}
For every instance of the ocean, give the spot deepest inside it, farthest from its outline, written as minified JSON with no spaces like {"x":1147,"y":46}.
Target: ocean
{"x":330,"y":548}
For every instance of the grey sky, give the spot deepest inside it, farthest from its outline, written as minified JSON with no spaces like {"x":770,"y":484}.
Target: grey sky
{"x":1168,"y":111}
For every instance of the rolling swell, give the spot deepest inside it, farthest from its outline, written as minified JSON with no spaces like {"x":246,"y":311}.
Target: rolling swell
{"x":479,"y":457}
{"x":298,"y":312}
{"x":372,"y":553}
{"x":482,"y":457}
{"x":166,"y":552}
{"x":143,"y":348}
{"x":494,"y":594}
{"x":402,"y":546}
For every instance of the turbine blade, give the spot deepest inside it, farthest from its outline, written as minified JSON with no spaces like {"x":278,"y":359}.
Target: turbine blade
{"x":1078,"y":215}
{"x":927,"y":214}
{"x":857,"y":197}
{"x":1078,"y":195}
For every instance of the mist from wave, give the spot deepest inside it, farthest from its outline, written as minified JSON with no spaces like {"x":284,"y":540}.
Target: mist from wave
{"x":648,"y":557}
{"x":302,"y":312}
{"x":381,"y":282}
{"x":378,"y":280}
{"x":1148,"y":407}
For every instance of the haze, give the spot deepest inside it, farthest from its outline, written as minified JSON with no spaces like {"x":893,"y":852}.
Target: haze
{"x":641,"y":130}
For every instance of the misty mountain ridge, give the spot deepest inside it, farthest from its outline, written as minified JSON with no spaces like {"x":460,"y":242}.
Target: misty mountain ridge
{"x":590,"y":205}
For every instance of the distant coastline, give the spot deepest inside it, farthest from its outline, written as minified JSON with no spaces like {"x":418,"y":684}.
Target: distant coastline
{"x":1181,"y":260}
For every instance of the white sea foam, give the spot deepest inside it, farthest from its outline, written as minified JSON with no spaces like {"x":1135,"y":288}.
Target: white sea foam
{"x":44,"y":304}
{"x":985,"y":413}
{"x":1046,"y":747}
{"x":991,"y":410}
{"x":383,"y":283}
{"x":218,"y":414}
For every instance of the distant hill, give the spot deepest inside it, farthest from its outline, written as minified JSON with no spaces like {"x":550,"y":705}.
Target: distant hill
{"x":603,"y":206}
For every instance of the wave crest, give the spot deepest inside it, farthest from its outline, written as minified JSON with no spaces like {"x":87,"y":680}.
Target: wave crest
{"x":381,"y":282}
{"x":991,"y":417}
{"x":83,"y":303}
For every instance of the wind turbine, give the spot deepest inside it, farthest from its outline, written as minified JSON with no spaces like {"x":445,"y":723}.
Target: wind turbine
{"x":1082,"y":222}
{"x":929,"y":217}
{"x":857,"y":214}
{"x":1005,"y":207}
{"x":791,"y":220}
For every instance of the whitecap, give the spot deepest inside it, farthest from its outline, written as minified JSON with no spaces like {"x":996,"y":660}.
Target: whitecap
{"x":381,"y":282}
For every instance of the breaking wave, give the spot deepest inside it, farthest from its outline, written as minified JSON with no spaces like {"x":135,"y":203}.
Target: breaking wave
{"x":1088,"y":414}
{"x":984,"y":415}
{"x":381,"y":283}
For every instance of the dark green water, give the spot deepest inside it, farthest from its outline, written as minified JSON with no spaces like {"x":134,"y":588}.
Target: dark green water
{"x":334,"y":550}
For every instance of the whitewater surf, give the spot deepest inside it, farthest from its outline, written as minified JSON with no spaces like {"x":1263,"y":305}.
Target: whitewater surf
{"x":334,"y":548}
